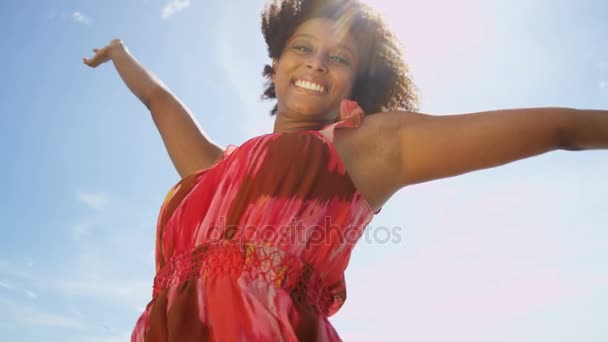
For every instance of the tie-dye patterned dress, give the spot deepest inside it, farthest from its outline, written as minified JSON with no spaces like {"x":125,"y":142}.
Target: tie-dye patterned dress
{"x":254,"y":248}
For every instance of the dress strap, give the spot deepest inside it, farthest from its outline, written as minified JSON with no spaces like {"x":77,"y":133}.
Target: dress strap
{"x":351,"y":116}
{"x":229,"y":149}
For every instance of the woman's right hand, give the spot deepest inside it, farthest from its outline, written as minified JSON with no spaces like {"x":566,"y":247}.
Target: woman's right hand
{"x":104,"y":54}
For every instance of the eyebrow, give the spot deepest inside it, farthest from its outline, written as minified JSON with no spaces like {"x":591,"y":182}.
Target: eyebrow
{"x":308,"y":35}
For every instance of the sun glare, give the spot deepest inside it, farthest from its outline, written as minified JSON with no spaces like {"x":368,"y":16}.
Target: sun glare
{"x":435,"y":31}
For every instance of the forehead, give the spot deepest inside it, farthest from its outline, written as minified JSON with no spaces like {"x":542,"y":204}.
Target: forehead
{"x":326,"y":30}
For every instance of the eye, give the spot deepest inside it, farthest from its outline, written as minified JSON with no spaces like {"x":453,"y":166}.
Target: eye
{"x":302,"y":48}
{"x":340,"y":60}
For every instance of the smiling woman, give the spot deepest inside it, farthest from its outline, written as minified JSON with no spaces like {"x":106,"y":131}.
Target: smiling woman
{"x":253,"y":242}
{"x":316,"y":70}
{"x":362,"y":46}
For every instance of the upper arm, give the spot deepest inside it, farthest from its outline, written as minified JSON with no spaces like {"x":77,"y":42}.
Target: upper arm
{"x":187,"y":144}
{"x":427,"y":147}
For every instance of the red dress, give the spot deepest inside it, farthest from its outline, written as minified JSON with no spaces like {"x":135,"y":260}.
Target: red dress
{"x":254,"y":248}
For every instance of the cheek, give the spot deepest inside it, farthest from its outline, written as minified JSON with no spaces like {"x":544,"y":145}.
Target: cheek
{"x":280,"y":83}
{"x":347,"y":83}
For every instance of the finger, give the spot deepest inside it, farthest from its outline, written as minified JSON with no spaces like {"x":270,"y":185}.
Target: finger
{"x":89,"y":62}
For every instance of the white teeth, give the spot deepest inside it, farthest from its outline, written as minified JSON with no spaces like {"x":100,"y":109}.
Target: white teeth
{"x":310,"y":86}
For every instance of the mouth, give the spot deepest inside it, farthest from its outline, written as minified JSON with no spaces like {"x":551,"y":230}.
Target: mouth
{"x":310,"y":87}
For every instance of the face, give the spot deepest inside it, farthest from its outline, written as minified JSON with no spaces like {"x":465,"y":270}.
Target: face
{"x":316,"y":70}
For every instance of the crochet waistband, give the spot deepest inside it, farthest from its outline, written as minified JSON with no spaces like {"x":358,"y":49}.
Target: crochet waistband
{"x":252,"y":262}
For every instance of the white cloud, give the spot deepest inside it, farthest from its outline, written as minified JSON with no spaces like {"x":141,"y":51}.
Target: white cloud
{"x":6,"y":285}
{"x":76,"y":312}
{"x":40,"y":318}
{"x":82,"y":18}
{"x":94,"y":201}
{"x":33,"y":316}
{"x":79,"y":230}
{"x":130,"y":292}
{"x":174,"y":6}
{"x":31,"y":294}
{"x":11,"y":269}
{"x":603,"y":84}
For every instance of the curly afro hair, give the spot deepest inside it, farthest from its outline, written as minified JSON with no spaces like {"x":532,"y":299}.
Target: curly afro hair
{"x":383,"y":82}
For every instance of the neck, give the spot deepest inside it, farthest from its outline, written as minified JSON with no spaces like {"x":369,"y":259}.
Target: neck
{"x":289,"y":124}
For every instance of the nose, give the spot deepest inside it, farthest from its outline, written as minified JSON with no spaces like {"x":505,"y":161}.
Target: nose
{"x":317,"y":62}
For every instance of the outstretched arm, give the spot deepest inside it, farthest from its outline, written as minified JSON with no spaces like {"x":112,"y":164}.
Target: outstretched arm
{"x":422,"y":147}
{"x":188,"y":146}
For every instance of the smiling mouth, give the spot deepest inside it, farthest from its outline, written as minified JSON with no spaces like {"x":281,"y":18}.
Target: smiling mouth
{"x":310,"y":86}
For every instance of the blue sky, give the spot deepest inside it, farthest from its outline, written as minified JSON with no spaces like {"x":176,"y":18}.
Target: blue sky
{"x":512,"y":253}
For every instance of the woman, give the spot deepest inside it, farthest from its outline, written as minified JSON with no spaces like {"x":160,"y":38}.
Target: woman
{"x":252,"y":243}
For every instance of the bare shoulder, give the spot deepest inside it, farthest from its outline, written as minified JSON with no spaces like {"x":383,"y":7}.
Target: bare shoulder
{"x":379,"y":133}
{"x":370,"y":153}
{"x":387,"y":121}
